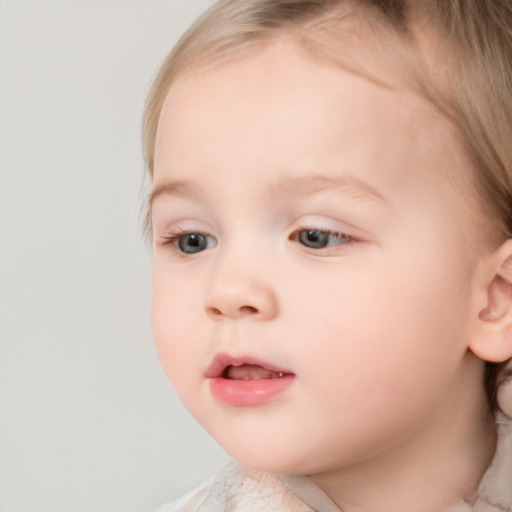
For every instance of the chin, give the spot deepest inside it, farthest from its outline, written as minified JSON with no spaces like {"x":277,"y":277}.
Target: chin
{"x":268,"y":457}
{"x":269,"y":464}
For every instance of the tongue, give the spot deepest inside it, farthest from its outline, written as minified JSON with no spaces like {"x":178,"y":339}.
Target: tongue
{"x":250,"y":372}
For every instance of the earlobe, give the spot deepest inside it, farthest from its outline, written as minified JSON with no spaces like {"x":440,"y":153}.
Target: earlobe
{"x":491,"y":338}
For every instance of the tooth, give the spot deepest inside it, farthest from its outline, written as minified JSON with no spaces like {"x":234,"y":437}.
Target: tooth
{"x":280,"y":374}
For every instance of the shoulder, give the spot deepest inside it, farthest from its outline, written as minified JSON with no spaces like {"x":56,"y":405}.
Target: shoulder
{"x":496,"y":485}
{"x":190,"y":501}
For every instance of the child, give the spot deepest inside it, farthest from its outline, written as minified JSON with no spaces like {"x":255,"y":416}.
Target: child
{"x":331,"y":214}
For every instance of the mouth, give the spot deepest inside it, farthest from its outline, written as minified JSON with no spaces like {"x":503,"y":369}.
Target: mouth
{"x":246,"y":381}
{"x":244,"y":368}
{"x":250,"y":372}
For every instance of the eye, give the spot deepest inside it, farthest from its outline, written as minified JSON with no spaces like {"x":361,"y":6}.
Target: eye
{"x":190,"y":243}
{"x":319,"y":239}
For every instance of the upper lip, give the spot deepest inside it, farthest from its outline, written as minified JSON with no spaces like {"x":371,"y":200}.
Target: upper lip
{"x":222,"y":361}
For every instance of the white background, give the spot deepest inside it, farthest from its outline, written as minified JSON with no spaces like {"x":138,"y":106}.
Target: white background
{"x":88,"y":422}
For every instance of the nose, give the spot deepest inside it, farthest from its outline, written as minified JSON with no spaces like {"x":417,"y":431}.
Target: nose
{"x":236,"y":294}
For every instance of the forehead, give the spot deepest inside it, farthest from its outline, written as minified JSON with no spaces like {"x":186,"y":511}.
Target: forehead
{"x":285,"y":72}
{"x":281,"y":109}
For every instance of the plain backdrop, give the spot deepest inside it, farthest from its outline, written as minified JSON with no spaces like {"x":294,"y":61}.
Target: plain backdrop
{"x":88,"y":422}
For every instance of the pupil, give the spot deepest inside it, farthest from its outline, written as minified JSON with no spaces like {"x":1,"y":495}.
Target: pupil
{"x":192,"y":243}
{"x":194,"y":240}
{"x":314,"y":238}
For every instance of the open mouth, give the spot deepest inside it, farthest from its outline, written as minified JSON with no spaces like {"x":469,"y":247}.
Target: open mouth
{"x":246,"y":381}
{"x":244,"y":368}
{"x":250,"y":372}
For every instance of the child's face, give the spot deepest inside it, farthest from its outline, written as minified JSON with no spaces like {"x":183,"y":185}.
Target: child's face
{"x":311,"y":229}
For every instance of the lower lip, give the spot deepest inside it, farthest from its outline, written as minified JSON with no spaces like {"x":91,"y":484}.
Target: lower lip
{"x":249,"y":392}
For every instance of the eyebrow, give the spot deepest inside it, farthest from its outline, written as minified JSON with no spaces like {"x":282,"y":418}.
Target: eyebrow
{"x":314,"y":183}
{"x":286,"y":186}
{"x":178,"y":188}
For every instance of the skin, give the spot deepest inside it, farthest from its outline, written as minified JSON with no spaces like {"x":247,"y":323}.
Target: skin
{"x":386,"y":411}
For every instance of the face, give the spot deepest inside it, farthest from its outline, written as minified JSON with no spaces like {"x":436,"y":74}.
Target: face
{"x":311,"y":269}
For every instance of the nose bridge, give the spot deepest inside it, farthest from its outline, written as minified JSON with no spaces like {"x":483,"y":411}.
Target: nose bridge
{"x":240,"y":286}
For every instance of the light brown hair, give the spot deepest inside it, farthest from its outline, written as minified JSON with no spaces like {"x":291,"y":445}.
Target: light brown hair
{"x":468,"y":77}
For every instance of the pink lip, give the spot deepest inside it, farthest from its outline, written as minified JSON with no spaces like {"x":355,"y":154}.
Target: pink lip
{"x":242,"y":392}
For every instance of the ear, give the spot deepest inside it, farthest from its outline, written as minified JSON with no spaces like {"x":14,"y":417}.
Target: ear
{"x":491,"y":335}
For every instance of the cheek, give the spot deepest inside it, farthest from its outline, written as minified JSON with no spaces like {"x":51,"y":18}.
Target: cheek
{"x":174,"y":321}
{"x":389,"y":330}
{"x":374,"y":347}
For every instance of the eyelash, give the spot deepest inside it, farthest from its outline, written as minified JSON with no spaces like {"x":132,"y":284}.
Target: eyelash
{"x":172,"y":239}
{"x":344,"y":238}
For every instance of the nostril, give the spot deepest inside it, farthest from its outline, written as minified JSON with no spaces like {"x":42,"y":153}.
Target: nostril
{"x":241,"y":311}
{"x":250,"y":310}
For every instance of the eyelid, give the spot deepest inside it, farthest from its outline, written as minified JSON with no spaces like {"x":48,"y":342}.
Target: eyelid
{"x":178,"y":225}
{"x":173,"y":216}
{"x":328,"y":224}
{"x":334,"y":224}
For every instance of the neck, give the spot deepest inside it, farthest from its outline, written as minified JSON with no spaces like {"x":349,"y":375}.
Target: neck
{"x":438,"y":467}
